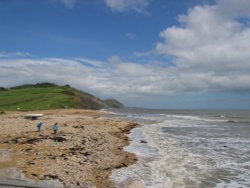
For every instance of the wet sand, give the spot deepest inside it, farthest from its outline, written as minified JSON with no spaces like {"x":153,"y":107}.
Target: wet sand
{"x":84,"y":152}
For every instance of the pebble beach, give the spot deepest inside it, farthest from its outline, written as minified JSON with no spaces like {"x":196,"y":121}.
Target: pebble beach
{"x":87,"y":147}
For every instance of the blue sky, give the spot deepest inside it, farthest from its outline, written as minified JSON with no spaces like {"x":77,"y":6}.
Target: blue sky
{"x":147,"y":53}
{"x":90,"y":28}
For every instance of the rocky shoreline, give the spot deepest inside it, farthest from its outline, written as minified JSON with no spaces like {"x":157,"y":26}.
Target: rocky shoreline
{"x":86,"y":149}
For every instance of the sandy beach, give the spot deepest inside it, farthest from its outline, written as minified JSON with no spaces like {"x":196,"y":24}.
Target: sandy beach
{"x":84,"y":152}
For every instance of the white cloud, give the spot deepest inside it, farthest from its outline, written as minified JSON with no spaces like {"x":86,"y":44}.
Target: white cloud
{"x":210,"y":52}
{"x":14,"y":54}
{"x":211,"y":48}
{"x":61,"y":71}
{"x":124,"y":5}
{"x":112,"y":78}
{"x":233,"y":8}
{"x":68,"y":3}
{"x":139,"y":6}
{"x":130,"y":35}
{"x":91,"y":62}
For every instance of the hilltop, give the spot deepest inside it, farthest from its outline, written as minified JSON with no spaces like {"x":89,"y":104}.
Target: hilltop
{"x":43,"y":96}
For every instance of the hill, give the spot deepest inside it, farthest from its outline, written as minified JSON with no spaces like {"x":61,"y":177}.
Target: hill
{"x":44,"y":96}
{"x":112,"y":103}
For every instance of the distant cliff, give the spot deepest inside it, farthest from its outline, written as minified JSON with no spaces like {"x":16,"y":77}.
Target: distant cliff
{"x":112,"y":103}
{"x":43,"y":96}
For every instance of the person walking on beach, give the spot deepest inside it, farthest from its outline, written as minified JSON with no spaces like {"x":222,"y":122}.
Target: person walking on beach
{"x":39,"y":126}
{"x":55,"y":128}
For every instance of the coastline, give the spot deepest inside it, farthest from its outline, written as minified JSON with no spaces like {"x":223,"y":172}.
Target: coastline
{"x":86,"y":149}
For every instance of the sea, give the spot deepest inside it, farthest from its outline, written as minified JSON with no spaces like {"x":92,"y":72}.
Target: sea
{"x":187,"y":148}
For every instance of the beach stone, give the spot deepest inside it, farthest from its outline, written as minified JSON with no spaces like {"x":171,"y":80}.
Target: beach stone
{"x":86,"y":154}
{"x":132,"y":183}
{"x":51,"y":183}
{"x":31,"y":141}
{"x":4,"y":155}
{"x":136,"y":184}
{"x":59,"y":139}
{"x":11,"y":173}
{"x":51,"y":176}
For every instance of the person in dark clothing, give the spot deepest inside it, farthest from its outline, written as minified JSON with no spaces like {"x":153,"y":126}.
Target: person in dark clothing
{"x":39,"y":126}
{"x":55,"y":128}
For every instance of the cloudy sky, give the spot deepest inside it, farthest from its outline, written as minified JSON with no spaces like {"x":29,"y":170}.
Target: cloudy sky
{"x":146,"y":53}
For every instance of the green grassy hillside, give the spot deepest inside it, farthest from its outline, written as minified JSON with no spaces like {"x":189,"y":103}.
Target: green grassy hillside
{"x":47,"y":96}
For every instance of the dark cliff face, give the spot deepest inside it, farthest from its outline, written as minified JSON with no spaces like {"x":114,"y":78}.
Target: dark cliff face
{"x":92,"y":102}
{"x":113,"y":103}
{"x":44,"y":96}
{"x":88,"y":101}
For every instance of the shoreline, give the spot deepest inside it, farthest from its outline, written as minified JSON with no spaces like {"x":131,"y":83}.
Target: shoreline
{"x":84,"y":152}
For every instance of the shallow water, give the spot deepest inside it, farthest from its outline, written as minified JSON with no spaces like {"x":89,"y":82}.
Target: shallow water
{"x":188,"y":148}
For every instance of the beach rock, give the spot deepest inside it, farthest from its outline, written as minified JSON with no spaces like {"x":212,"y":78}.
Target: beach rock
{"x":4,"y":155}
{"x":11,"y":173}
{"x":28,"y":149}
{"x":31,"y":141}
{"x":86,"y":154}
{"x":51,"y":176}
{"x":79,"y":127}
{"x":30,"y":163}
{"x":132,"y":183}
{"x":51,"y":183}
{"x":59,"y":139}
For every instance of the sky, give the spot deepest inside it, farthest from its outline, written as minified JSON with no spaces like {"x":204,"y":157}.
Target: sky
{"x":175,"y":54}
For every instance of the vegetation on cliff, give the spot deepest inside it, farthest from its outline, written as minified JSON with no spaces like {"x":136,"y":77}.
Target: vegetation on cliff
{"x":44,"y":96}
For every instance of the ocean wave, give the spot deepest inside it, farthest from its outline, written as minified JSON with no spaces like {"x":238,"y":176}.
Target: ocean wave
{"x":188,"y":151}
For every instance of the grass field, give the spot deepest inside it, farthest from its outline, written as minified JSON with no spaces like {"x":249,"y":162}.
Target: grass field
{"x":43,"y":96}
{"x":35,"y":98}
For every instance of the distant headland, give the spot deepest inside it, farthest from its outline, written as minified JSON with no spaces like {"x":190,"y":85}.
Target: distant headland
{"x":43,"y":96}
